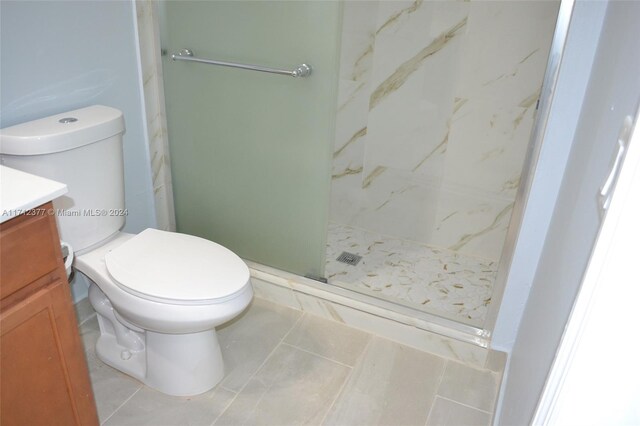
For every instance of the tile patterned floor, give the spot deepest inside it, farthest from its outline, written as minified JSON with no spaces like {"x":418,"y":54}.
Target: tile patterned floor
{"x":433,"y":280}
{"x":288,"y":368}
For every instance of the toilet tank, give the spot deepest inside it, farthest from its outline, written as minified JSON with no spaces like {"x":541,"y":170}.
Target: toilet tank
{"x":83,"y":149}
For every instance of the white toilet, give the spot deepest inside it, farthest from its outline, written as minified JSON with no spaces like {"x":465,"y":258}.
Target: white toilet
{"x":158,"y":295}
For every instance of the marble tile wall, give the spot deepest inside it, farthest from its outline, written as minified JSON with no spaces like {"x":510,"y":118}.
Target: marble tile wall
{"x":436,"y":104}
{"x":151,"y":68}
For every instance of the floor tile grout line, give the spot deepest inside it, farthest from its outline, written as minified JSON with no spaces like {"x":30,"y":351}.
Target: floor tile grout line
{"x":295,"y":324}
{"x":122,"y":405}
{"x":90,"y":317}
{"x":235,"y":395}
{"x":463,"y":404}
{"x":435,"y":395}
{"x":338,"y":394}
{"x":260,"y":367}
{"x":227,"y":389}
{"x":346,"y":380}
{"x":268,"y":388}
{"x":316,"y":354}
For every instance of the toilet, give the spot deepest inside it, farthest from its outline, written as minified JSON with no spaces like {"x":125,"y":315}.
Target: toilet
{"x":158,"y":295}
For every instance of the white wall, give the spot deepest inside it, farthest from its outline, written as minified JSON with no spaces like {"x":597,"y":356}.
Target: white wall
{"x":613,"y":92}
{"x":572,"y":81}
{"x":62,"y":55}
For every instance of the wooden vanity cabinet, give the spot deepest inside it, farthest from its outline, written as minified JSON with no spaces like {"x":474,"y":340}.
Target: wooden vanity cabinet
{"x":44,"y":378}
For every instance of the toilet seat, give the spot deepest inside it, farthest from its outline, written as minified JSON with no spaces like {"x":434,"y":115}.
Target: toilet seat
{"x":168,"y":267}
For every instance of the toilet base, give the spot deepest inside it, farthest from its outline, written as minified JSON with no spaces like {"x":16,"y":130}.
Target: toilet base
{"x":133,"y":363}
{"x":175,"y":364}
{"x":183,"y":364}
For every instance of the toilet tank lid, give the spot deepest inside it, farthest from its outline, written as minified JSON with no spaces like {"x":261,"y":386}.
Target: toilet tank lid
{"x":62,"y":132}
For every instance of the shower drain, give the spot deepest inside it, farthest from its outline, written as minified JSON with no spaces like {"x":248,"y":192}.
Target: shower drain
{"x":349,"y":258}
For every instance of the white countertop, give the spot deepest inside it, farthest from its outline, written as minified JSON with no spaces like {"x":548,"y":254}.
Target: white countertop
{"x":20,"y":191}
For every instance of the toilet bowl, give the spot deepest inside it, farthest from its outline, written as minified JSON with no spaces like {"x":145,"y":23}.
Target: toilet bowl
{"x":158,"y":295}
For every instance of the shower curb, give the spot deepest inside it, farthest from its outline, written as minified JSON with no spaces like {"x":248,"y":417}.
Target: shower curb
{"x":460,"y":343}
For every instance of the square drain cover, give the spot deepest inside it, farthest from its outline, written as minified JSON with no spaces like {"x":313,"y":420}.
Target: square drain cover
{"x":349,"y":258}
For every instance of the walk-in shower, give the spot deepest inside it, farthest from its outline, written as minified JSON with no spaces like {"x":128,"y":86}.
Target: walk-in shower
{"x":390,"y":171}
{"x":436,"y":105}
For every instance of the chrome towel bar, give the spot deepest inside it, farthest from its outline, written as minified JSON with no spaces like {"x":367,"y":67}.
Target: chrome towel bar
{"x":302,"y":70}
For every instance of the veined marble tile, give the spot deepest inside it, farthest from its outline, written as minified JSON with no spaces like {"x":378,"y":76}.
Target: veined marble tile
{"x":346,"y":203}
{"x":158,"y":145}
{"x":163,"y":195}
{"x":487,"y":146}
{"x":506,"y":49}
{"x":437,"y":281}
{"x":396,"y":60}
{"x":356,"y":56}
{"x":351,"y":129}
{"x":404,"y":129}
{"x":408,"y":129}
{"x":429,"y":166}
{"x":452,"y":88}
{"x":472,"y":224}
{"x":359,"y":16}
{"x":414,"y":337}
{"x":392,"y":323}
{"x":350,"y":92}
{"x":392,"y":15}
{"x":417,"y":21}
{"x":395,"y":203}
{"x":356,"y":51}
{"x":273,"y":293}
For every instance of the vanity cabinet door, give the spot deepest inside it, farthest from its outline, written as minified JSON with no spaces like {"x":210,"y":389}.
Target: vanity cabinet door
{"x":44,"y":378}
{"x":39,"y":365}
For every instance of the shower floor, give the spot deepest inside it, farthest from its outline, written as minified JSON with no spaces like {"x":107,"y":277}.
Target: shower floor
{"x":434,"y":280}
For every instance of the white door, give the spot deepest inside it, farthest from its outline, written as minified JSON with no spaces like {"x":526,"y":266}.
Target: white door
{"x":595,"y":378}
